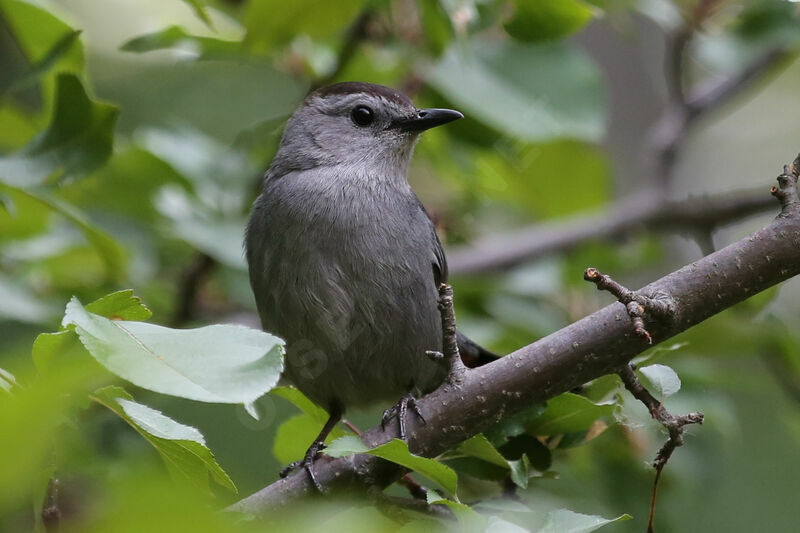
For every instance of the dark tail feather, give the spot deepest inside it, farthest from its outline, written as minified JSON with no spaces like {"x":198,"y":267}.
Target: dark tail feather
{"x":473,"y":354}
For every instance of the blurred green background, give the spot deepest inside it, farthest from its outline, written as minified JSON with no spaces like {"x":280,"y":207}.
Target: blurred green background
{"x":133,"y":139}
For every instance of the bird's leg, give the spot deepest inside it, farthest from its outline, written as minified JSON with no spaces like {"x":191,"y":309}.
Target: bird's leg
{"x":400,"y":411}
{"x":307,"y":462}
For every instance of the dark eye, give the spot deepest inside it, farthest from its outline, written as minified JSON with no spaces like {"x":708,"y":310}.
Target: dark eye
{"x":362,"y":116}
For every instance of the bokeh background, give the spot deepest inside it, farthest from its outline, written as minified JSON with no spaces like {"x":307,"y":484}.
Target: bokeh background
{"x":171,"y":111}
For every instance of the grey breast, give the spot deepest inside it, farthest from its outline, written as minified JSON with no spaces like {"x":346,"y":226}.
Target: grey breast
{"x":346,"y":275}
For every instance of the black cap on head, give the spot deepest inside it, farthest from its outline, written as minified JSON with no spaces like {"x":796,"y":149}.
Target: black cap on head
{"x":357,"y":87}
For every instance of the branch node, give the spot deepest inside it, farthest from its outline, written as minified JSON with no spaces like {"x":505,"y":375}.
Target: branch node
{"x":450,"y":352}
{"x":660,"y":303}
{"x":786,"y":191}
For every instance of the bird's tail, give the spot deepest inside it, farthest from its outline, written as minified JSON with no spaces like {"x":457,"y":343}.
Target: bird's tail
{"x":473,"y":354}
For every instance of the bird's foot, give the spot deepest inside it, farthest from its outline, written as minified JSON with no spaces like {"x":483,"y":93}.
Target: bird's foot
{"x":307,"y":462}
{"x":400,"y":411}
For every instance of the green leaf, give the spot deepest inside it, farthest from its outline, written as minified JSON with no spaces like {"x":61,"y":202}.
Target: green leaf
{"x":108,"y":249}
{"x":301,"y":401}
{"x":498,"y":525}
{"x":657,"y":352}
{"x":182,"y":448}
{"x":759,"y":27}
{"x":7,"y":380}
{"x":199,"y":9}
{"x":547,"y":19}
{"x":514,"y":425}
{"x":533,"y":92}
{"x":120,"y":305}
{"x":347,"y":445}
{"x":663,"y":379}
{"x":78,"y":140}
{"x":565,"y":521}
{"x":465,"y":514}
{"x":480,"y":447}
{"x":520,"y":471}
{"x":177,"y":37}
{"x":520,"y":175}
{"x":397,"y":451}
{"x":39,"y":68}
{"x":273,"y":23}
{"x":436,"y":25}
{"x":569,"y":413}
{"x":38,"y":43}
{"x":48,"y":346}
{"x":220,"y":363}
{"x":477,"y":468}
{"x":296,"y":434}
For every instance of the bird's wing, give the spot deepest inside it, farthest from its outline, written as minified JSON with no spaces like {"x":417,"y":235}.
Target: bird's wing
{"x":440,"y":265}
{"x":438,"y":261}
{"x":472,"y":353}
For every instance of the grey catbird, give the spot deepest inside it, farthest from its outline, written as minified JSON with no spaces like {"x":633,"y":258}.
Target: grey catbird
{"x":344,"y":260}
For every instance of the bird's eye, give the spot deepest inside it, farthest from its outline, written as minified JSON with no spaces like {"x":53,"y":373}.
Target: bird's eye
{"x":362,"y":116}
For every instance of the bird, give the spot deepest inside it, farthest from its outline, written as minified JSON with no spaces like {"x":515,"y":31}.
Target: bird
{"x":344,"y":260}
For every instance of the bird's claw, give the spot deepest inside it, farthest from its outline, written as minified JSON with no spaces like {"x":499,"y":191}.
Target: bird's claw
{"x":307,"y":462}
{"x":400,"y":411}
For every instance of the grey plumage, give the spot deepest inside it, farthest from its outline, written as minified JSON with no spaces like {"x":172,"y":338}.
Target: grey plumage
{"x":344,"y":261}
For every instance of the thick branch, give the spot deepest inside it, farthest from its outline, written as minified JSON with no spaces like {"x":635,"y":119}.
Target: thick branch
{"x":632,"y":215}
{"x":599,"y":344}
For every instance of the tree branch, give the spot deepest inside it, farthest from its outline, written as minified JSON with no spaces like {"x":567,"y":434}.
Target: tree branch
{"x":189,"y":283}
{"x":673,"y":424}
{"x":697,"y":216}
{"x":629,"y":216}
{"x":711,"y":96}
{"x":355,"y":34}
{"x":51,"y":512}
{"x":599,"y":344}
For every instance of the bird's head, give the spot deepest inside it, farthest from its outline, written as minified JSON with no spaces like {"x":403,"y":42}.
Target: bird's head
{"x":356,"y":124}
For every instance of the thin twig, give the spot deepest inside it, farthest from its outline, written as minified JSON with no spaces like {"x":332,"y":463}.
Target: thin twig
{"x":786,"y":190}
{"x":673,"y":424}
{"x":451,"y":355}
{"x":355,"y":35}
{"x":51,"y":512}
{"x":636,"y":304}
{"x":189,"y":285}
{"x":711,"y":96}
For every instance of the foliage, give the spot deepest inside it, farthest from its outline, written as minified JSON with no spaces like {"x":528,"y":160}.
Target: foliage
{"x":133,"y":137}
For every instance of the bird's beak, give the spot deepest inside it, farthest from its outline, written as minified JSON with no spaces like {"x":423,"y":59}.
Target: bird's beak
{"x":426,"y":119}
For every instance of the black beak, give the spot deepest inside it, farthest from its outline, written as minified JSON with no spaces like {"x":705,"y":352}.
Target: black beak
{"x":427,"y":119}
